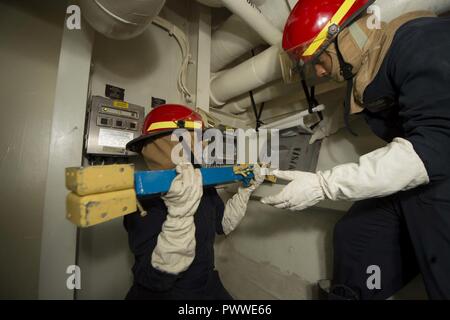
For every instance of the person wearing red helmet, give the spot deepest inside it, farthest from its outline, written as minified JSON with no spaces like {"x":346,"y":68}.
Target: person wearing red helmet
{"x":397,"y":77}
{"x":173,"y":243}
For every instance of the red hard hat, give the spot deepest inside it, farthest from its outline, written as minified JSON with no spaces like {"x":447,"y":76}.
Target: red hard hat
{"x":312,"y":25}
{"x":163,"y":120}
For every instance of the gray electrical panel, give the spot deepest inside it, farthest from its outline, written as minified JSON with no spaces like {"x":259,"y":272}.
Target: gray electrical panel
{"x":111,"y":124}
{"x":296,"y":153}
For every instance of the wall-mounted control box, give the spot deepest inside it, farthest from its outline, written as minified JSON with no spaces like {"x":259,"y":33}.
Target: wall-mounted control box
{"x":111,"y":124}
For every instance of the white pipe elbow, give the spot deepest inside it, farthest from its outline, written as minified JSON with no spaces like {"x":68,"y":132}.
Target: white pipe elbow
{"x":255,"y":19}
{"x":249,"y":75}
{"x":121,"y":20}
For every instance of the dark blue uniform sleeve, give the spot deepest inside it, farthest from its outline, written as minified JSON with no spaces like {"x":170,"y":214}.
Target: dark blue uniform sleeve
{"x":420,"y":65}
{"x":219,"y":209}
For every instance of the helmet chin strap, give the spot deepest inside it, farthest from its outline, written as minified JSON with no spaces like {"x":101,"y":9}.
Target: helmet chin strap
{"x":347,"y":74}
{"x":310,"y":94}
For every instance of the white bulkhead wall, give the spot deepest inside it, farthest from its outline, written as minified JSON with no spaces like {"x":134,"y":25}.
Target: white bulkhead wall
{"x":28,"y":79}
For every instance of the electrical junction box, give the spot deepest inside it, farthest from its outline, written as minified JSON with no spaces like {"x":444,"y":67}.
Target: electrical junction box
{"x":111,"y":124}
{"x":296,"y":153}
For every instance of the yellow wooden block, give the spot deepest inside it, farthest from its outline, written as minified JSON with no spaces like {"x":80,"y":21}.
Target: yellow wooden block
{"x":100,"y":179}
{"x":85,"y":211}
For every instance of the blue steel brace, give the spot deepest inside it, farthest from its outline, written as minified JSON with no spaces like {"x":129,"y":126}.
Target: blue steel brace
{"x":150,"y":183}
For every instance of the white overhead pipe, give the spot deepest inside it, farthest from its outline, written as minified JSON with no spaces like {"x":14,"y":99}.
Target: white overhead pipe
{"x":235,"y":37}
{"x":249,"y":13}
{"x":211,"y":3}
{"x":219,"y":3}
{"x":263,"y":94}
{"x":289,"y":93}
{"x":120,"y":20}
{"x":276,"y":11}
{"x":390,"y":9}
{"x":255,"y":72}
{"x":231,"y":41}
{"x":251,"y":74}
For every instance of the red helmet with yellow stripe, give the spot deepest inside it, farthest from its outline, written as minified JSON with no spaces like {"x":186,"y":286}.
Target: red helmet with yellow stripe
{"x":164,"y":120}
{"x":312,"y":25}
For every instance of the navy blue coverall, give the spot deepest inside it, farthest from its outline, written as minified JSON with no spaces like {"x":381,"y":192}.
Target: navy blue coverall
{"x":408,"y":232}
{"x":200,"y":281}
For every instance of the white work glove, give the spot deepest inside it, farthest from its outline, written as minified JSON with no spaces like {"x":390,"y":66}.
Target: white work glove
{"x":237,"y":206}
{"x":333,"y":121}
{"x":175,"y":249}
{"x":304,"y":191}
{"x":385,"y":171}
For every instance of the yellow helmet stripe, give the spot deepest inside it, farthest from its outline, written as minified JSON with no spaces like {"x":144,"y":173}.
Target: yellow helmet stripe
{"x":174,"y":125}
{"x":336,"y":19}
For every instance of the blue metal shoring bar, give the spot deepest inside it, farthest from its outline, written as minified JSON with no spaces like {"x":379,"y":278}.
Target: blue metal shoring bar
{"x":150,"y":183}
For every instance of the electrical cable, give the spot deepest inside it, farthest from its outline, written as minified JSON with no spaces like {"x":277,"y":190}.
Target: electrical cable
{"x":183,"y":42}
{"x":259,"y":123}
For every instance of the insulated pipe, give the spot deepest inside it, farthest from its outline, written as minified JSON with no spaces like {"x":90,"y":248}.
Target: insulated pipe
{"x":263,"y":94}
{"x":219,"y":4}
{"x":211,"y":3}
{"x":278,"y":90}
{"x":235,"y":37}
{"x":276,"y":11}
{"x":249,"y":13}
{"x":390,"y":9}
{"x":251,"y":74}
{"x":120,"y":20}
{"x":231,"y":41}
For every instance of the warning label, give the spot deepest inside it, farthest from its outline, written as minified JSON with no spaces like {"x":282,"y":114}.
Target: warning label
{"x":114,"y":138}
